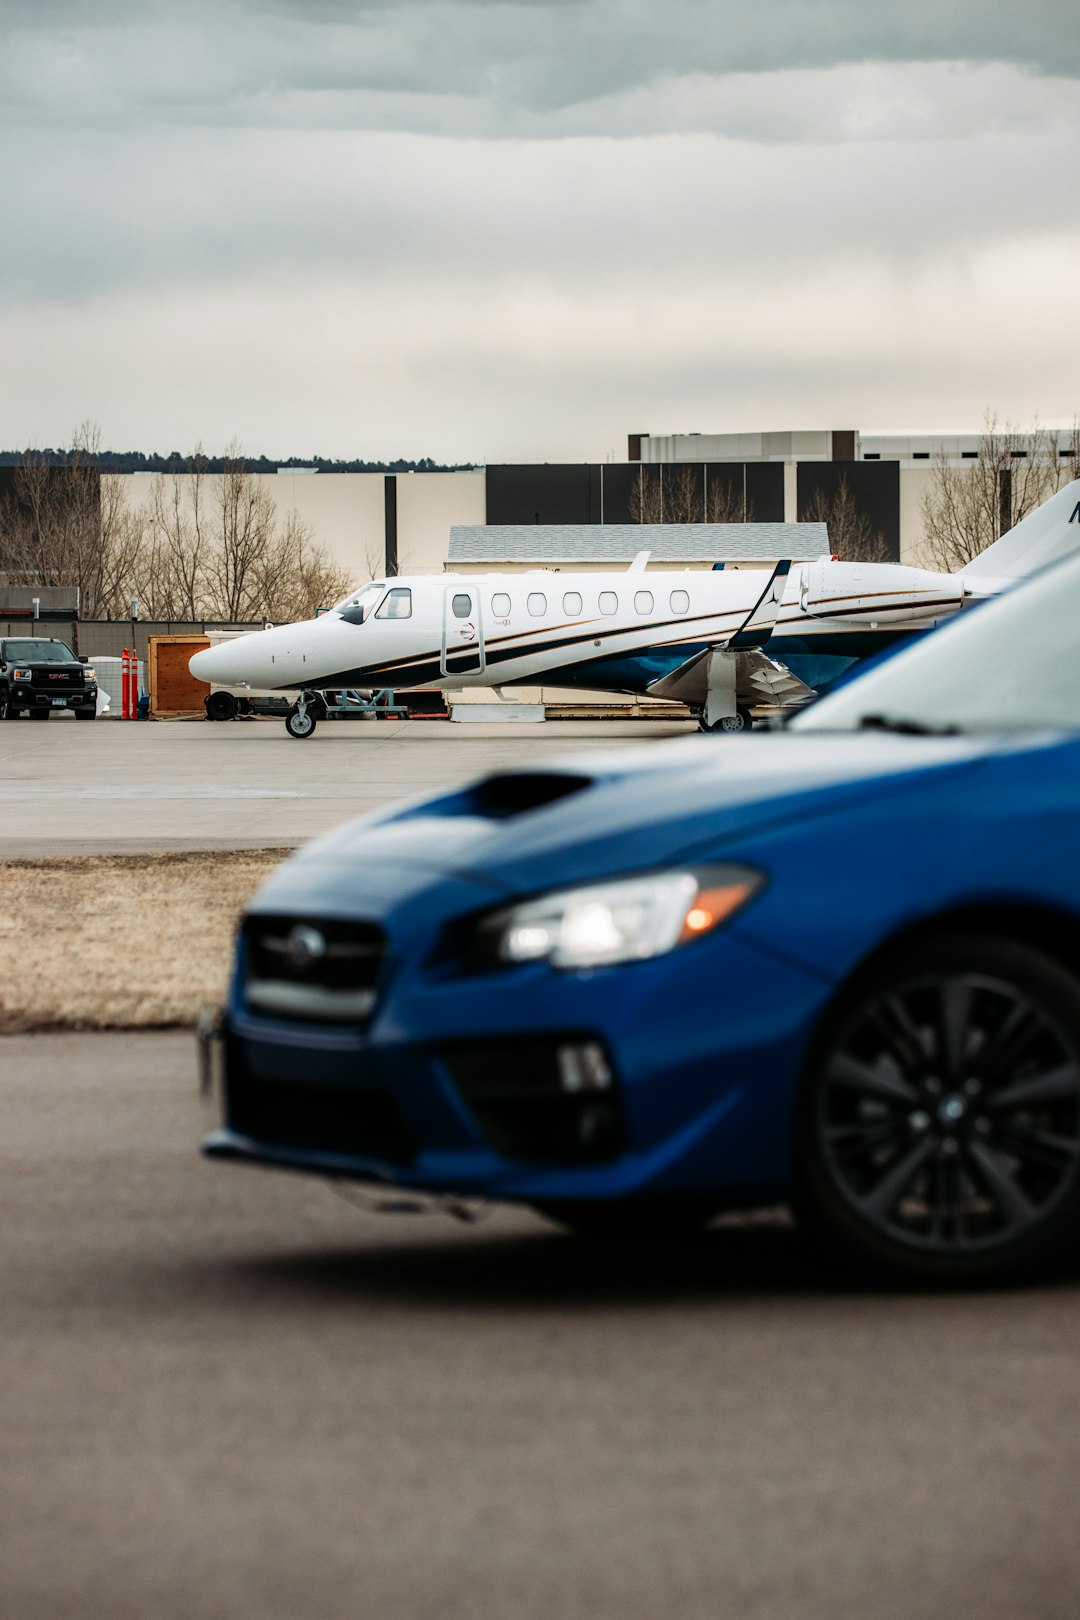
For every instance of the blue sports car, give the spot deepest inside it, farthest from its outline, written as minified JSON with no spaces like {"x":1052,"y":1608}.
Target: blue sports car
{"x":837,"y":966}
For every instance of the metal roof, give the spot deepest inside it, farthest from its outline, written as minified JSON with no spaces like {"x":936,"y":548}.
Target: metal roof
{"x":621,"y":542}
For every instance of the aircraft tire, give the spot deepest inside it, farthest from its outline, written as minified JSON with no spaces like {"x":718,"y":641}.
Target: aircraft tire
{"x":741,"y":720}
{"x":300,"y":725}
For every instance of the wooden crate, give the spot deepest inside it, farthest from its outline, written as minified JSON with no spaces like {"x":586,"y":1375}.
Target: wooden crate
{"x":173,"y":688}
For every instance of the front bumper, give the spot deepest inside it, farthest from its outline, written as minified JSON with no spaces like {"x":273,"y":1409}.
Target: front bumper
{"x":36,"y":697}
{"x":463,"y":1086}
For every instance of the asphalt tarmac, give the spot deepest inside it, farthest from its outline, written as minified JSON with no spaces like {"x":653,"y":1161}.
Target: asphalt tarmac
{"x":229,"y":1393}
{"x":126,"y":786}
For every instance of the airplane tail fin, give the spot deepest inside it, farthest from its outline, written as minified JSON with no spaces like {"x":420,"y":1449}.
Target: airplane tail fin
{"x":757,"y":627}
{"x":1050,"y":532}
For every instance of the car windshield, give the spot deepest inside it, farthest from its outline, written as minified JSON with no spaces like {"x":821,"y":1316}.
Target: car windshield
{"x":356,"y":607}
{"x":27,"y":651}
{"x":1013,"y":665}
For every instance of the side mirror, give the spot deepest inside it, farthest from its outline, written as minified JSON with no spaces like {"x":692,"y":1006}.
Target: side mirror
{"x":84,"y":658}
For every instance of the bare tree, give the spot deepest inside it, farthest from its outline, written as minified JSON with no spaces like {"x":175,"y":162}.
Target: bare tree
{"x":683,"y":494}
{"x":852,"y":536}
{"x":965,"y":509}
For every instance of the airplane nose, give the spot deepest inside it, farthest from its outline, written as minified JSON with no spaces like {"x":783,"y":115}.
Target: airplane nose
{"x":207,"y":665}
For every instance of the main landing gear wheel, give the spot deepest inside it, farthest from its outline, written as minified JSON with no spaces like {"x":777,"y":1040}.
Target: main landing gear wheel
{"x":741,"y":720}
{"x":626,"y":1219}
{"x":938,"y":1135}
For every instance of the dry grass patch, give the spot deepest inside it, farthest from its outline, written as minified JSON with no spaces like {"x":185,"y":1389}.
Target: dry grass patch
{"x":120,"y":941}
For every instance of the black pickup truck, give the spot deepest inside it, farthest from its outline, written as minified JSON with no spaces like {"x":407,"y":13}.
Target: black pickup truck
{"x":39,"y":674}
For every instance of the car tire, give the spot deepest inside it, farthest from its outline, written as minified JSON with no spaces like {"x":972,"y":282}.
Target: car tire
{"x":85,"y":714}
{"x":630,"y":1218}
{"x":221,"y":706}
{"x":7,"y":712}
{"x":300,"y":725}
{"x":938,"y":1126}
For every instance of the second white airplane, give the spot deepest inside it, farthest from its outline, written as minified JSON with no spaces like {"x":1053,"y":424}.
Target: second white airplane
{"x":722,"y":642}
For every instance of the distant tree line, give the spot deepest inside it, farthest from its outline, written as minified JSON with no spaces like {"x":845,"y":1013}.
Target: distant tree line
{"x":134,"y":461}
{"x":205,"y":545}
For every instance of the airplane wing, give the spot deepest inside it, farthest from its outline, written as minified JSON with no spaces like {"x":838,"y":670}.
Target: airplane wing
{"x":757,"y":680}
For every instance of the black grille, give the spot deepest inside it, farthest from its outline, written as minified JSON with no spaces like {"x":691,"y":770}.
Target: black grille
{"x":58,"y":680}
{"x":515,"y":1091}
{"x":364,"y":1122}
{"x":313,"y":968}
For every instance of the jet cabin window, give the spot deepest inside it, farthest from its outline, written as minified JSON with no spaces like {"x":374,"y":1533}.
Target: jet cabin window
{"x":500,"y":605}
{"x":609,"y":602}
{"x":461,"y":605}
{"x":571,"y":604}
{"x":398,"y":604}
{"x":643,"y":602}
{"x":680,"y":602}
{"x":537,"y":604}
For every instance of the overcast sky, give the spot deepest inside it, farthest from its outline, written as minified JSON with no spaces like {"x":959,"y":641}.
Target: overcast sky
{"x":488,"y":232}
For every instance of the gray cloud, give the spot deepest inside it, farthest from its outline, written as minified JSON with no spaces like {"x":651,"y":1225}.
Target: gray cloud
{"x":468,"y":67}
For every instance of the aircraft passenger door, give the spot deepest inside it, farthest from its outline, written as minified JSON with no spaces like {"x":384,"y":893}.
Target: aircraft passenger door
{"x":463,"y":632}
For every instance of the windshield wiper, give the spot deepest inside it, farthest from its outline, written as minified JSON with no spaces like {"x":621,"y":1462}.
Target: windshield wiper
{"x":904,"y":727}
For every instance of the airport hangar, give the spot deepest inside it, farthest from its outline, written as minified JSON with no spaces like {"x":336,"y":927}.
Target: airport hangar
{"x":374,"y":523}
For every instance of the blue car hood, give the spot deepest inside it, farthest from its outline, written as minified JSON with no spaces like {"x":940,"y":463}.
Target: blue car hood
{"x":597,"y":815}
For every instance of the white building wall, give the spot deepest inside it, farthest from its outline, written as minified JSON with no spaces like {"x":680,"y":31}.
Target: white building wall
{"x":427,"y":504}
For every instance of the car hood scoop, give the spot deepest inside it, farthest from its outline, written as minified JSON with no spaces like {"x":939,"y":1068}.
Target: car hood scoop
{"x":515,"y":831}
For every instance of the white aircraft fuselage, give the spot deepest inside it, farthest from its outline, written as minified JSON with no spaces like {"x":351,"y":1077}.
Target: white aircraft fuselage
{"x":721,"y":641}
{"x":605,"y":631}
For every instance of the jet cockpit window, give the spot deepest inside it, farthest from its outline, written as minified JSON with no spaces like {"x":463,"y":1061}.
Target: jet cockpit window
{"x":571,"y":604}
{"x":680,"y":601}
{"x":355,"y":608}
{"x":500,"y":605}
{"x":537,"y":604}
{"x":609,"y":602}
{"x":461,"y":604}
{"x":398,"y":604}
{"x":643,"y":602}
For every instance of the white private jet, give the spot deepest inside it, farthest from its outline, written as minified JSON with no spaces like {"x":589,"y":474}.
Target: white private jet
{"x":696,"y":637}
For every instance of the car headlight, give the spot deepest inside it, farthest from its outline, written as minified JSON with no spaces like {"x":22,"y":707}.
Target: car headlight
{"x":89,"y":673}
{"x":21,"y":674}
{"x":625,"y":921}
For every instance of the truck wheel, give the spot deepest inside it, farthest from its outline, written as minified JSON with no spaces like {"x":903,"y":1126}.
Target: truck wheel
{"x":300,"y":725}
{"x":86,"y":714}
{"x":221,"y":706}
{"x":6,"y":711}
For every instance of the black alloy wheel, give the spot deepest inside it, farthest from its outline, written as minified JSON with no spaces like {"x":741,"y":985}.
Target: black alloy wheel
{"x":939,"y":1130}
{"x":6,"y":710}
{"x":86,"y":714}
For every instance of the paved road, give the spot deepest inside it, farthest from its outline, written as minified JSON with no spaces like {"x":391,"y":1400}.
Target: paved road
{"x":226,"y":1393}
{"x":65,"y":789}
